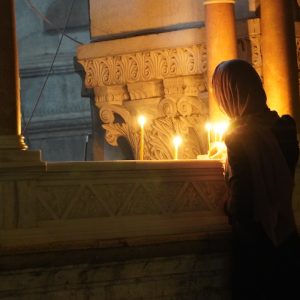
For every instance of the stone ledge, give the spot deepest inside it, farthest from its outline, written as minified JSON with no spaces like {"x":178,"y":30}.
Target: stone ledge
{"x":174,"y":39}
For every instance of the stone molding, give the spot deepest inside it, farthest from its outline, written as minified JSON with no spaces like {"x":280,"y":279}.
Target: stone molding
{"x":76,"y":202}
{"x":163,"y":84}
{"x":144,"y":66}
{"x":157,"y":82}
{"x":207,"y":2}
{"x":172,"y":106}
{"x":32,"y":66}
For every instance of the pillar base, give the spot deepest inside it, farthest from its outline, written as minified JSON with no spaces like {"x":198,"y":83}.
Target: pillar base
{"x":12,"y":142}
{"x":14,"y":157}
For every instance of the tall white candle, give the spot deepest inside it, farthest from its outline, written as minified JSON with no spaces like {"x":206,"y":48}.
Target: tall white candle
{"x":141,"y":121}
{"x":208,"y":127}
{"x":177,"y":140}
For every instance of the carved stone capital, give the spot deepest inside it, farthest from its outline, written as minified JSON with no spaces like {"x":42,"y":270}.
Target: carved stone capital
{"x":144,"y":66}
{"x":174,"y":86}
{"x":114,"y":94}
{"x":167,"y":83}
{"x":107,"y":113}
{"x":144,"y":90}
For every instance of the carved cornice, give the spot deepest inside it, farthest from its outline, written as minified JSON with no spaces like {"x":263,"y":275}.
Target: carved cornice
{"x":144,"y":90}
{"x":144,"y":66}
{"x":114,"y":94}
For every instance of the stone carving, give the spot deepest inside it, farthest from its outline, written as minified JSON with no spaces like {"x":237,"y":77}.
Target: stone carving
{"x":144,"y":66}
{"x":90,"y":200}
{"x":144,"y":90}
{"x":159,"y":134}
{"x":166,"y":85}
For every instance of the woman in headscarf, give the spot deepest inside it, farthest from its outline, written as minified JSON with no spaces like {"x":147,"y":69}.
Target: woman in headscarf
{"x":262,"y":154}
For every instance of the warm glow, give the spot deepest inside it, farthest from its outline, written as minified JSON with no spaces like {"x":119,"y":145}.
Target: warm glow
{"x":142,"y":120}
{"x":177,"y":140}
{"x":220,"y":129}
{"x":208,"y":126}
{"x":218,"y":151}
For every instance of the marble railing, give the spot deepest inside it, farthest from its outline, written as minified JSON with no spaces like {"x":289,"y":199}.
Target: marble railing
{"x":105,"y":204}
{"x":115,"y":230}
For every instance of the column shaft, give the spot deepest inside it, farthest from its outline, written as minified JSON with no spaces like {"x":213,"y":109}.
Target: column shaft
{"x":221,"y":43}
{"x":9,"y":79}
{"x":280,"y":70}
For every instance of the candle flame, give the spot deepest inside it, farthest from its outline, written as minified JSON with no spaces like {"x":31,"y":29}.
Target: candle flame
{"x":142,"y":120}
{"x":220,"y":129}
{"x":208,"y":126}
{"x":177,"y":140}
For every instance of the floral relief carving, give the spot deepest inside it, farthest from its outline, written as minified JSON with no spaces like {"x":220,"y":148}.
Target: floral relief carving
{"x":159,"y":135}
{"x":144,"y":66}
{"x":168,"y":85}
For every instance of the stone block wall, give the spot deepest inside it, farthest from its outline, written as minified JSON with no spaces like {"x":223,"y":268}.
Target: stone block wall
{"x":181,"y":277}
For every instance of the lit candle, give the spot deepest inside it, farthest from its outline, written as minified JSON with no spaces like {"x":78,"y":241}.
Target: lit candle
{"x":217,"y":130}
{"x":214,"y":129}
{"x":141,"y":121}
{"x":208,"y":127}
{"x":222,"y":129}
{"x":177,"y":140}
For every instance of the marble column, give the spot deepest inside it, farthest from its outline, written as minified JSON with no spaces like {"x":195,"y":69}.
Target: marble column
{"x":10,"y":123}
{"x":221,"y":43}
{"x":280,"y":70}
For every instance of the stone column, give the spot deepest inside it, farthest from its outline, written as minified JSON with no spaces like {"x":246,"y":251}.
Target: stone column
{"x":280,"y":70}
{"x":221,"y":43}
{"x":11,"y":141}
{"x":10,"y":124}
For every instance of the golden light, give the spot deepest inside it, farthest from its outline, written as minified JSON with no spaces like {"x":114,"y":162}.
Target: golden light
{"x":208,"y":127}
{"x":216,"y":146}
{"x":219,"y":130}
{"x":177,"y":140}
{"x":141,"y":121}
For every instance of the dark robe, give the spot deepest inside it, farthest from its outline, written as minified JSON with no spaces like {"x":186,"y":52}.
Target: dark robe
{"x":261,"y":269}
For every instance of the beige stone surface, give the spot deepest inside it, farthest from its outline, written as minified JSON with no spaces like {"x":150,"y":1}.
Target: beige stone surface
{"x":221,"y":43}
{"x":280,"y":71}
{"x":111,"y":17}
{"x":180,"y":38}
{"x":79,"y":204}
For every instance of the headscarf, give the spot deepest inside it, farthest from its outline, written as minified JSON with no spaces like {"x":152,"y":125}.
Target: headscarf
{"x":238,"y":88}
{"x":240,"y":93}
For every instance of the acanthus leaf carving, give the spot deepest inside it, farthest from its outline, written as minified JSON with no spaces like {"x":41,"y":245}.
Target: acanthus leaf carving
{"x":144,"y":66}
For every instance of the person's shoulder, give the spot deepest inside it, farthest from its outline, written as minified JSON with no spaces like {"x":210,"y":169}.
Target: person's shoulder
{"x":235,"y":141}
{"x":287,"y":119}
{"x":286,"y":123}
{"x":236,"y":134}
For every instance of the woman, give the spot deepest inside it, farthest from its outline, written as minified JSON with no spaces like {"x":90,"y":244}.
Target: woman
{"x":262,"y":153}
